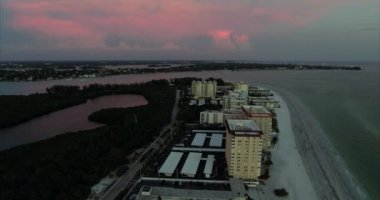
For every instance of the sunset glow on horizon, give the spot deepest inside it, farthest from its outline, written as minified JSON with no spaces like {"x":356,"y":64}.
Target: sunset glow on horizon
{"x":189,"y":29}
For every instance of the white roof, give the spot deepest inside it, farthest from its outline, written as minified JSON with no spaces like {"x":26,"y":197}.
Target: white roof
{"x":199,"y":149}
{"x":216,"y":140}
{"x":199,"y":139}
{"x":191,"y":164}
{"x":209,"y":164}
{"x":256,"y":109}
{"x":171,"y":162}
{"x":208,"y":131}
{"x":242,"y":125}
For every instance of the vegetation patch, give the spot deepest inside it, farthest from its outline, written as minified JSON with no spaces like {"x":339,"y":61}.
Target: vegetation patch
{"x":66,"y":166}
{"x":16,"y":109}
{"x":281,"y":192}
{"x":274,"y":140}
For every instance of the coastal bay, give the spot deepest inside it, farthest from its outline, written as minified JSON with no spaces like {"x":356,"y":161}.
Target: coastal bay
{"x":70,"y":119}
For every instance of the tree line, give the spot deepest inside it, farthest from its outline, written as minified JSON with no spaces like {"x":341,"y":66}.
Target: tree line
{"x":66,"y":166}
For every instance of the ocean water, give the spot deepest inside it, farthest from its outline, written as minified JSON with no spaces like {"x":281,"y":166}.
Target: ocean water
{"x":348,"y":108}
{"x":346,"y":103}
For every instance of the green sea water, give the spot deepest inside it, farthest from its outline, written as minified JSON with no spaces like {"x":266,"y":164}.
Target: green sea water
{"x":348,"y":109}
{"x":347,"y":106}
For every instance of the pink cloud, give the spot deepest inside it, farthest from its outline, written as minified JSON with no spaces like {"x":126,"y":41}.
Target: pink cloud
{"x":241,"y":41}
{"x":228,"y":40}
{"x":50,"y":26}
{"x":230,"y":24}
{"x":222,"y":40}
{"x":220,"y":34}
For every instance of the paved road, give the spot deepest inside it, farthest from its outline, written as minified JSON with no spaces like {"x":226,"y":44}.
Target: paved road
{"x":126,"y":178}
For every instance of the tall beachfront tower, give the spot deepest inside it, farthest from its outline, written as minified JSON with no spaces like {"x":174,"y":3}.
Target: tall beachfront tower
{"x":242,"y":86}
{"x":203,"y":89}
{"x":243,"y":150}
{"x":263,"y":118}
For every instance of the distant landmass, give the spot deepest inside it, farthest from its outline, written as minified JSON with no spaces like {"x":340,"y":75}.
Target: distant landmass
{"x":53,"y":70}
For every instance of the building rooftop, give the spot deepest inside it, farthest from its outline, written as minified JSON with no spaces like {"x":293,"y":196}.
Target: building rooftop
{"x":204,"y":81}
{"x":202,"y":141}
{"x":257,"y":88}
{"x":242,"y":82}
{"x":256,"y":109}
{"x":243,"y":127}
{"x":237,"y":94}
{"x":216,"y":140}
{"x":208,"y":131}
{"x":200,"y":149}
{"x":199,"y":139}
{"x":191,"y":164}
{"x":209,"y":165}
{"x":171,"y":163}
{"x":226,"y":111}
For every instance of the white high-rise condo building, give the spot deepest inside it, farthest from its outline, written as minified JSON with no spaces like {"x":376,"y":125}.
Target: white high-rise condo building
{"x":242,"y":86}
{"x":263,"y":118}
{"x":243,"y":150}
{"x":234,"y":100}
{"x":203,"y":89}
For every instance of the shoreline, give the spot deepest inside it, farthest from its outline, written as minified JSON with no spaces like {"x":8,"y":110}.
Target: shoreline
{"x":288,"y":170}
{"x":324,"y":167}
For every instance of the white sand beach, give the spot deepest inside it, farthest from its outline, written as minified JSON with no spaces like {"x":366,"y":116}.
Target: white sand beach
{"x":304,"y":162}
{"x":287,"y":170}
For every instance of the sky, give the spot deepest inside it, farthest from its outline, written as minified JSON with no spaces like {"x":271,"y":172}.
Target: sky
{"x":278,"y":30}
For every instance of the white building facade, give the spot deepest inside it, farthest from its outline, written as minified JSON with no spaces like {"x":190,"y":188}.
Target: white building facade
{"x":203,"y":89}
{"x":242,"y":86}
{"x":211,"y":117}
{"x":235,"y":100}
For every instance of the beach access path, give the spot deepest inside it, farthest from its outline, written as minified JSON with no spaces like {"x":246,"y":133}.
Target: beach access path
{"x":302,"y":138}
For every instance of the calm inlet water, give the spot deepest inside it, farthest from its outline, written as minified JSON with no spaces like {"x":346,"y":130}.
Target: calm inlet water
{"x":66,"y":120}
{"x":346,"y":103}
